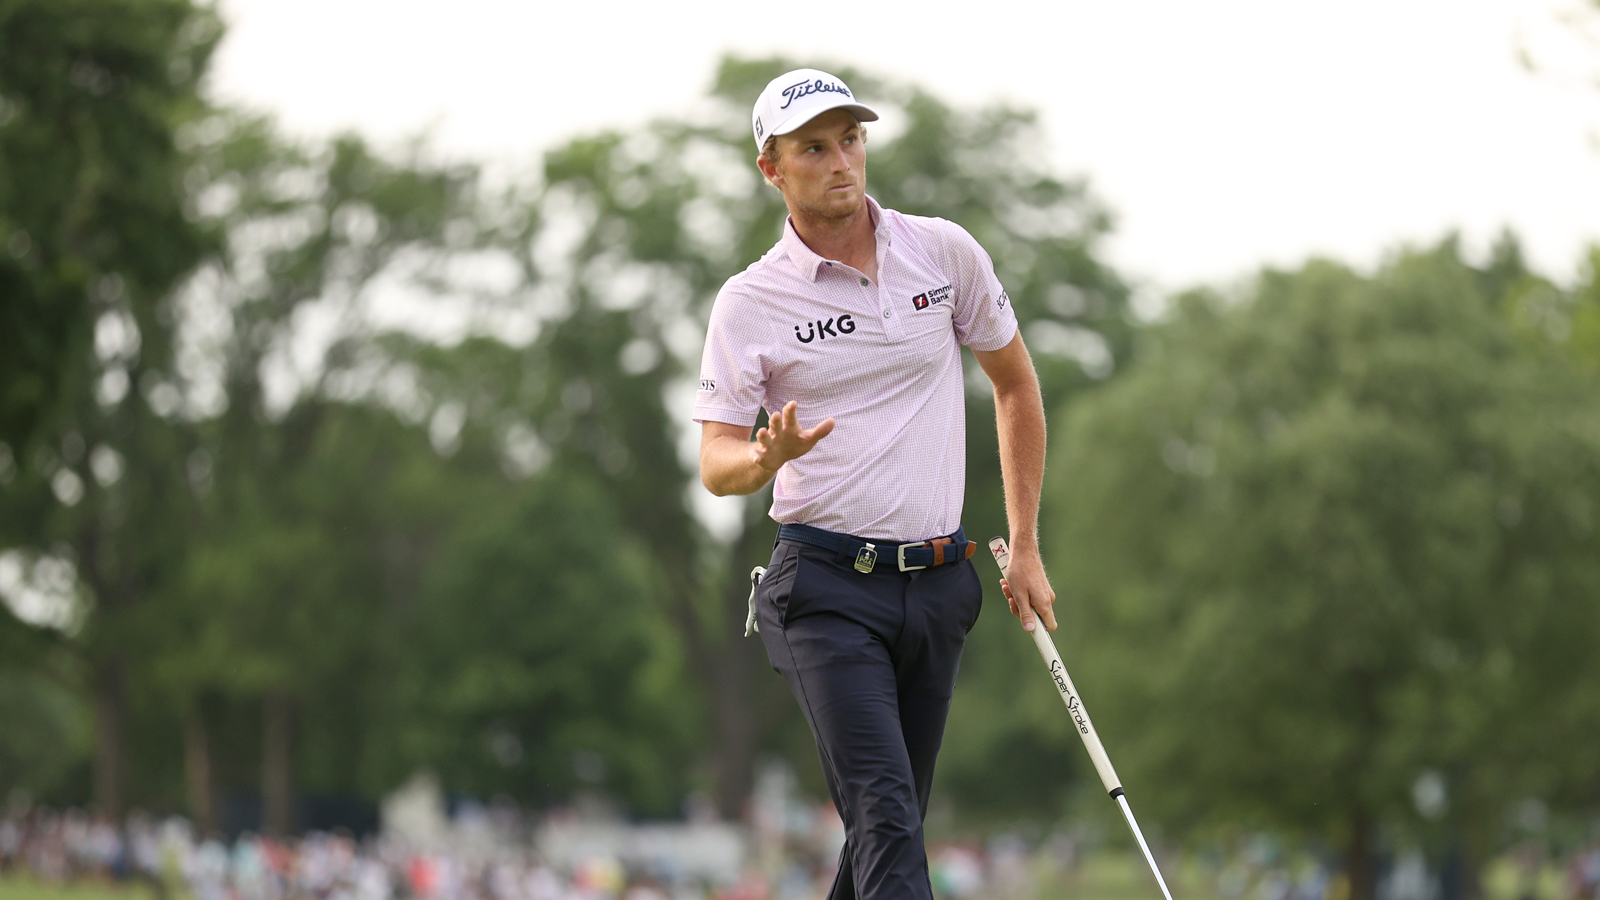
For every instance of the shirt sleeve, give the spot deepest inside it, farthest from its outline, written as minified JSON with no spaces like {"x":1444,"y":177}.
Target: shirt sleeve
{"x":984,"y":319}
{"x":733,"y":369}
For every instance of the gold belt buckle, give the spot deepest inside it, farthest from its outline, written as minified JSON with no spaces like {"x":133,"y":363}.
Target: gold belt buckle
{"x":866,"y":558}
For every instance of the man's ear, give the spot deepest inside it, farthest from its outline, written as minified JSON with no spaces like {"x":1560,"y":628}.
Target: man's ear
{"x":769,"y":170}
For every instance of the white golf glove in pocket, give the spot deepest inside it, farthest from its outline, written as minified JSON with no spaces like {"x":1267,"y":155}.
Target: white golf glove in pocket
{"x":750,"y":624}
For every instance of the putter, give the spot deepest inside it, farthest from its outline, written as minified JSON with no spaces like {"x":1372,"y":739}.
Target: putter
{"x":1080,"y":718}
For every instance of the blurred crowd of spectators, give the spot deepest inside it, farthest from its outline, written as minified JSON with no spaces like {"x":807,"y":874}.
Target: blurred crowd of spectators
{"x":66,"y":846}
{"x":789,"y":855}
{"x":1583,"y":873}
{"x":61,"y":847}
{"x":778,"y":863}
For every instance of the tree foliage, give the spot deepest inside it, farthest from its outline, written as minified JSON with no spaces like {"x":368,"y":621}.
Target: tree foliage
{"x":91,"y":213}
{"x":92,"y":96}
{"x":1326,"y":538}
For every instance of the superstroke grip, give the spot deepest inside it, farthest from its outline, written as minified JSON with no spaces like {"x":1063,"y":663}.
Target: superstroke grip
{"x":1063,"y":681}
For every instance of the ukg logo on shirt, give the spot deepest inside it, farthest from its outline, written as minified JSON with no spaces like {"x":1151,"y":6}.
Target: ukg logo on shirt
{"x":825,"y":329}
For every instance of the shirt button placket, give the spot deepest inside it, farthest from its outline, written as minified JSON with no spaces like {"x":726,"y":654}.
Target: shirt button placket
{"x":891,"y":328}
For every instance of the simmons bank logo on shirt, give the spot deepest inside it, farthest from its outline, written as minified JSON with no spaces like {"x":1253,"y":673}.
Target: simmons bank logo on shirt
{"x":931,"y":298}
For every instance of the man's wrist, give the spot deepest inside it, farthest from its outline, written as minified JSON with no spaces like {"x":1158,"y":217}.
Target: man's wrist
{"x":761,"y":463}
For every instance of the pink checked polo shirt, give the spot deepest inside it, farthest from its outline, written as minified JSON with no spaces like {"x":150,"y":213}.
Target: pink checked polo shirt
{"x":884,"y":360}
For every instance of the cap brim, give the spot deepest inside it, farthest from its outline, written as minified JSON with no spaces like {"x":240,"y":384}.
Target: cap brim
{"x":862,"y":112}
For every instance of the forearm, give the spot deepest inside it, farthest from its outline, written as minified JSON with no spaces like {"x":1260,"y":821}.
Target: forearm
{"x":732,"y":463}
{"x":727,"y":466}
{"x":1019,"y":420}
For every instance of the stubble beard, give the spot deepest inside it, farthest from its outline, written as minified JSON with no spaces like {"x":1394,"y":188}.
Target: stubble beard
{"x":833,"y":211}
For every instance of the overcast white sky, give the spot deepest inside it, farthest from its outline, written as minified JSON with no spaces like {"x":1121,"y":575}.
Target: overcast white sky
{"x":1224,"y":134}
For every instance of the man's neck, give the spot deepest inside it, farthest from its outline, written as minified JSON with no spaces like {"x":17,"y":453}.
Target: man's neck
{"x":850,"y":240}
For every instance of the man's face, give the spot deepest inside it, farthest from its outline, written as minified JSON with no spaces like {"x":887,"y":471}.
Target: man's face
{"x":822,"y":166}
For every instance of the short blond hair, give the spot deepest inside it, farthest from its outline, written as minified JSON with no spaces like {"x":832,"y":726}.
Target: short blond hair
{"x":769,"y":150}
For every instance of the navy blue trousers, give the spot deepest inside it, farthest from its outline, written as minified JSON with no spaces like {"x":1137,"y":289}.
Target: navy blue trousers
{"x":872,"y":660}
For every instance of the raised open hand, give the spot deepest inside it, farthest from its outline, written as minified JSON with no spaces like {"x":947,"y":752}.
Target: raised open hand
{"x":782,"y":438}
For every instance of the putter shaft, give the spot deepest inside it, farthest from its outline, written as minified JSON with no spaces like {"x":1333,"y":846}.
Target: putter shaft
{"x":1080,"y":718}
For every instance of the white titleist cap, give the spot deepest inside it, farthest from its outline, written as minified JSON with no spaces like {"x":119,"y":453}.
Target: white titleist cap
{"x":795,"y":98}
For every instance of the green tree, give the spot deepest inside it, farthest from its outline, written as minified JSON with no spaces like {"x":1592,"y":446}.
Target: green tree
{"x":92,"y":95}
{"x":91,"y":210}
{"x":1328,"y":537}
{"x":360,"y":577}
{"x":535,"y":657}
{"x":544,"y":668}
{"x":309,"y":535}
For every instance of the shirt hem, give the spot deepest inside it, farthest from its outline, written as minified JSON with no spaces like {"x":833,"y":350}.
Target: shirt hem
{"x":725,"y":416}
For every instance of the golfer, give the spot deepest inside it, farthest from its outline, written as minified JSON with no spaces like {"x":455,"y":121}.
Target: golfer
{"x":848,"y":333}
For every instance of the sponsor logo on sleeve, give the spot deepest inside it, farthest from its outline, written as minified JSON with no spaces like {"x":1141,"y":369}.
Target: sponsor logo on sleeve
{"x":1001,"y":301}
{"x":708,"y":385}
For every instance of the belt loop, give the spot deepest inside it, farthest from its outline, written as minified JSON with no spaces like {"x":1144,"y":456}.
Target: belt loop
{"x":846,"y":554}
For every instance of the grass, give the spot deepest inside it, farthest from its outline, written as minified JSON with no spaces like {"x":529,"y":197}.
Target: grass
{"x":1112,"y":875}
{"x":1506,"y":878}
{"x":26,"y":887}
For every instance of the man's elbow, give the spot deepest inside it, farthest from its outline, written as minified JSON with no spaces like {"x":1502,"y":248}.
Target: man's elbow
{"x":713,"y":485}
{"x":708,"y":477}
{"x":716,"y":479}
{"x":727,"y":483}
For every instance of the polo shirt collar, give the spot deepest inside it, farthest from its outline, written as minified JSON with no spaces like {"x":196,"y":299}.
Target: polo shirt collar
{"x":807,"y":262}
